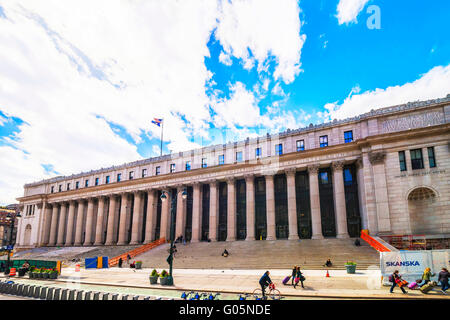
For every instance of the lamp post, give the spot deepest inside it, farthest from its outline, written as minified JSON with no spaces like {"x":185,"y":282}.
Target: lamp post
{"x":12,"y":220}
{"x":172,"y":229}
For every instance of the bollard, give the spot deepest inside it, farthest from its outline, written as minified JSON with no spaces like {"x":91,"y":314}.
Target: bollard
{"x":50,"y":293}
{"x":14,"y":289}
{"x":20,"y":290}
{"x":124,"y":297}
{"x":147,"y":298}
{"x":136,"y":298}
{"x":80,"y":295}
{"x":43,"y":295}
{"x":72,"y":294}
{"x":26,"y":289}
{"x":105,"y":296}
{"x":87,"y":296}
{"x":37,"y":292}
{"x":2,"y":286}
{"x":7,"y":288}
{"x":115,"y":296}
{"x":96,"y":295}
{"x":57,"y":294}
{"x":31,"y":291}
{"x":64,"y":294}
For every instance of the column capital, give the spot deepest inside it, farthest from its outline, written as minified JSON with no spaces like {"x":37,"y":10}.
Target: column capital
{"x":213,"y":182}
{"x":290,"y":171}
{"x":337,"y":165}
{"x":196,"y":184}
{"x":249,"y":177}
{"x":359,"y":163}
{"x":230,"y":180}
{"x":377,"y":157}
{"x":313,"y":169}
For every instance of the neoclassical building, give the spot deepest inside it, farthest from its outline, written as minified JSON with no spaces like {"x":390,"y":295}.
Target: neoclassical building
{"x":386,"y":171}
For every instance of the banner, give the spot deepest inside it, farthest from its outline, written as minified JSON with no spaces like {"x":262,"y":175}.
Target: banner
{"x":411,"y":264}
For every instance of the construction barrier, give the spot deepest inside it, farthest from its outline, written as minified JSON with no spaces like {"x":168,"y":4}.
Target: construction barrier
{"x":12,"y":272}
{"x":373,"y":243}
{"x":146,"y":247}
{"x":411,"y":264}
{"x":96,"y":263}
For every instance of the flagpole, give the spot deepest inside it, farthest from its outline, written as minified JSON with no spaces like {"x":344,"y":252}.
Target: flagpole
{"x":162,"y":127}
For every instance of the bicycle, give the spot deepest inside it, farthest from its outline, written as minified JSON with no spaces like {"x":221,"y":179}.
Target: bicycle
{"x":273,"y":293}
{"x":190,"y":296}
{"x":213,"y":296}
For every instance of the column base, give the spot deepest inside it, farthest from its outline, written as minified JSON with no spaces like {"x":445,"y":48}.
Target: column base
{"x":269,"y":238}
{"x":98,"y":244}
{"x":194,"y":240}
{"x":293,"y":237}
{"x":250,"y":239}
{"x":132,"y":243}
{"x":232,"y":239}
{"x":110,"y":243}
{"x":317,"y":237}
{"x":343,"y":236}
{"x":68,"y":245}
{"x":59,"y":244}
{"x":121,"y":243}
{"x":87,"y":244}
{"x":77,"y":244}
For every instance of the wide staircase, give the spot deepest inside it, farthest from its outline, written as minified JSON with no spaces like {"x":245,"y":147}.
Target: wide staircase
{"x":280,"y":254}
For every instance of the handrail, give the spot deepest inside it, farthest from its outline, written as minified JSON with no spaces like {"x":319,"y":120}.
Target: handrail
{"x":146,"y":247}
{"x":374,"y":243}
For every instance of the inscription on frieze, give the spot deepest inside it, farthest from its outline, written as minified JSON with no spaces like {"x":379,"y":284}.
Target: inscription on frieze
{"x":413,"y":121}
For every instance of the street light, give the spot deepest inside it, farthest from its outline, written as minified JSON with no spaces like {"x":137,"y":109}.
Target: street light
{"x":12,"y":220}
{"x":172,"y":229}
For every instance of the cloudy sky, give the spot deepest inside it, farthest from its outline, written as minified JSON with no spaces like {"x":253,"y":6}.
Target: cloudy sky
{"x":81,"y":80}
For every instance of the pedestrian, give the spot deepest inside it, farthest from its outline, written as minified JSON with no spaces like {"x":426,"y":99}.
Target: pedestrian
{"x":357,"y":242}
{"x":443,"y":278}
{"x":328,"y":263}
{"x":264,"y":282}
{"x":426,"y":276}
{"x":120,"y":262}
{"x":128,"y":258}
{"x":225,"y":253}
{"x":294,"y":273}
{"x":395,"y":278}
{"x":300,"y":277}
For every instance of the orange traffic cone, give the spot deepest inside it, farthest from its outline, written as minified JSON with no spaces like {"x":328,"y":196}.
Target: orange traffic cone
{"x":77,"y":268}
{"x":328,"y":275}
{"x":12,"y":272}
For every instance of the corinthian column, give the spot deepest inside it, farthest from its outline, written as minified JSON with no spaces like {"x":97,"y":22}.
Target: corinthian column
{"x":151,"y":217}
{"x":181,"y":219}
{"x":339,"y":199}
{"x":53,"y":225}
{"x":165,"y":216}
{"x":250,"y":206}
{"x":111,"y":220}
{"x":137,"y":213}
{"x":270,"y":204}
{"x":292,"y":203}
{"x":213,"y":210}
{"x":89,"y":222}
{"x":231,"y":208}
{"x":70,"y":223}
{"x":123,"y":220}
{"x":99,"y":227}
{"x":196,"y":217}
{"x":316,"y":220}
{"x":47,"y":223}
{"x":79,"y":227}
{"x":62,"y":224}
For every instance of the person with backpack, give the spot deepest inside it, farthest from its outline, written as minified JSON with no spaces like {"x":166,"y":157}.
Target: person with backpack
{"x":443,"y":278}
{"x":426,"y":277}
{"x":299,"y":277}
{"x":395,"y":278}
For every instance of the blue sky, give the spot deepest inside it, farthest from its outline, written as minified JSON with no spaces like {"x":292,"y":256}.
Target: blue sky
{"x":80,"y":82}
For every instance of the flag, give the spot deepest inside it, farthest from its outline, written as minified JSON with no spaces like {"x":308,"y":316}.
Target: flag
{"x":157,"y":121}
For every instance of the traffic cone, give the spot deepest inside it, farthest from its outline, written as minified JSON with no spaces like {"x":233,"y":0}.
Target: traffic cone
{"x":328,"y":275}
{"x":77,"y":268}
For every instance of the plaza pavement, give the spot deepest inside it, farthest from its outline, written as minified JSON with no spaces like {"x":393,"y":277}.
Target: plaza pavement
{"x":365,"y":284}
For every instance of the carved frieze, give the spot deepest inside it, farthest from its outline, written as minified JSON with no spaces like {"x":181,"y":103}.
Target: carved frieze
{"x":413,"y":121}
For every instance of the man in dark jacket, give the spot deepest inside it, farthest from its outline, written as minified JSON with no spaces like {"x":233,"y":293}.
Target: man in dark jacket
{"x":395,"y":277}
{"x":264,"y":282}
{"x":294,"y":274}
{"x":443,"y":278}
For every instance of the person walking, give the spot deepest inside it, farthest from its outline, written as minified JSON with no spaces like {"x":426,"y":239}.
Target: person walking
{"x":294,"y":273}
{"x":395,"y":278}
{"x":120,"y":262}
{"x":264,"y":282}
{"x":300,"y":277}
{"x":443,"y":279}
{"x":426,"y":277}
{"x":128,"y":259}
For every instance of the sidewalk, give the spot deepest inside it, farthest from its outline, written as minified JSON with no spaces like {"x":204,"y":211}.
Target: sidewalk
{"x":364,"y":284}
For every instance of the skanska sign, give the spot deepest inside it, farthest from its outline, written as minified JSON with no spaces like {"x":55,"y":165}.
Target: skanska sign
{"x":402,"y":263}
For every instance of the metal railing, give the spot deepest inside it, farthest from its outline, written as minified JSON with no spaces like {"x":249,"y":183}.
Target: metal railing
{"x":133,"y":253}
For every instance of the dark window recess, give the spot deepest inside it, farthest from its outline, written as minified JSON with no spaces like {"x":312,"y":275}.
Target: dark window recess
{"x":416,"y":159}
{"x":402,"y":160}
{"x":300,"y":145}
{"x":323,"y":141}
{"x":348,"y":136}
{"x":431,"y":158}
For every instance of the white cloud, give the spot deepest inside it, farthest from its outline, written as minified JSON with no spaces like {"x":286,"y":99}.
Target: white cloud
{"x":255,"y":30}
{"x":431,"y":85}
{"x":348,"y":10}
{"x":225,"y":59}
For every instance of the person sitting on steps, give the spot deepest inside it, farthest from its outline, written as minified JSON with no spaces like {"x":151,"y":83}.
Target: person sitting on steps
{"x":225,"y":253}
{"x":328,"y":263}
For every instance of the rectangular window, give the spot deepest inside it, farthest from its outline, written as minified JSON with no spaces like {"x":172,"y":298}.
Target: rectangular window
{"x":258,"y":152}
{"x":52,"y":190}
{"x":158,"y":170}
{"x":60,"y":188}
{"x":402,"y":160}
{"x":323,"y":141}
{"x":416,"y":159}
{"x":119,"y":177}
{"x":221,"y":159}
{"x":96,"y":181}
{"x":188,"y":165}
{"x":300,"y":145}
{"x":348,"y":136}
{"x":68,"y":186}
{"x":431,"y":158}
{"x":323,"y":177}
{"x":239,"y":156}
{"x":107,"y":180}
{"x":86,"y":183}
{"x":131,"y":175}
{"x":279,"y":149}
{"x":172,"y":167}
{"x":204,"y":163}
{"x":77,"y":184}
{"x":144,"y":173}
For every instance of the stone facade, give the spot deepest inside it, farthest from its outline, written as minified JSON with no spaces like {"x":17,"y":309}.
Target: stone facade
{"x":349,"y":185}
